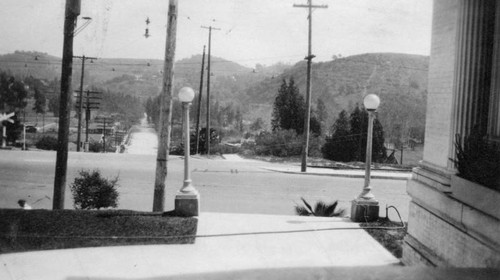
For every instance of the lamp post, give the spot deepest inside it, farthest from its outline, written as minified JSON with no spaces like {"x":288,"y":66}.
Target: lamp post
{"x":187,"y":200}
{"x":365,"y":207}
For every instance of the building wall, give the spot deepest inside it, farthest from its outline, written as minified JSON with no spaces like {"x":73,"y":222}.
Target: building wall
{"x":452,"y":222}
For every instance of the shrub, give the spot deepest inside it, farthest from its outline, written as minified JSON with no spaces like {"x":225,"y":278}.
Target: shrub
{"x":202,"y":149}
{"x":47,"y":143}
{"x":478,"y":160}
{"x":321,"y":209}
{"x":95,"y":147}
{"x":91,"y":191}
{"x":281,"y":143}
{"x":224,"y":149}
{"x":285,"y":143}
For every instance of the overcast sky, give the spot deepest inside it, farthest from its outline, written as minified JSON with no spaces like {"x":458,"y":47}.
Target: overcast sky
{"x":252,"y":31}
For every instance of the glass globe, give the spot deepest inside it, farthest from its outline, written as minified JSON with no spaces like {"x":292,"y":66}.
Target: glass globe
{"x":186,"y":94}
{"x":371,"y":101}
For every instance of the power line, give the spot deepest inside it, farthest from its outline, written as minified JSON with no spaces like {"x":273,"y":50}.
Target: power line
{"x":58,"y":62}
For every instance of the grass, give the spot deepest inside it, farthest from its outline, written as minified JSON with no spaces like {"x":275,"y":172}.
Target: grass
{"x":29,"y":230}
{"x":391,"y":239}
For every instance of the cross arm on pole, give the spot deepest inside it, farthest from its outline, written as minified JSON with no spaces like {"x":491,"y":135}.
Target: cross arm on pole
{"x":312,"y":6}
{"x":210,"y":27}
{"x":85,"y":57}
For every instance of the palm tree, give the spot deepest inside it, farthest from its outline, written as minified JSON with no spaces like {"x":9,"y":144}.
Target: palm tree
{"x":321,"y":209}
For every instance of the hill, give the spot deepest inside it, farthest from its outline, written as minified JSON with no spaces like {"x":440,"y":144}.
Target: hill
{"x":399,"y":79}
{"x":25,"y":64}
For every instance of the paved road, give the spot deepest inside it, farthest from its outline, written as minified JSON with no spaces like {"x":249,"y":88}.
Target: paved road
{"x":226,"y":185}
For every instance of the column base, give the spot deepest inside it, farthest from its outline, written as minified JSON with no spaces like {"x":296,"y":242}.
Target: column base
{"x":364,"y":210}
{"x":187,"y":204}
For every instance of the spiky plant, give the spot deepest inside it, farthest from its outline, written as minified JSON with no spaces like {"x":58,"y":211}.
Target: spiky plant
{"x":478,"y":159}
{"x":321,"y":209}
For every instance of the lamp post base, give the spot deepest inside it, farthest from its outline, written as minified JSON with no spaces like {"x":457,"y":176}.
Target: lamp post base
{"x":364,"y":210}
{"x":187,"y":204}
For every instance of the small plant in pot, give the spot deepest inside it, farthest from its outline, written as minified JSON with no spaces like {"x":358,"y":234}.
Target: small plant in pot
{"x":321,"y":209}
{"x":478,"y":159}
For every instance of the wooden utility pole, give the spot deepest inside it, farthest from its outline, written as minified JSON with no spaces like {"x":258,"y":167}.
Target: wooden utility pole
{"x":165,"y":110}
{"x":309,"y":58}
{"x":106,"y":121}
{"x":78,"y":137}
{"x":199,"y":103}
{"x":91,"y":103}
{"x":210,"y":28}
{"x":71,"y":14}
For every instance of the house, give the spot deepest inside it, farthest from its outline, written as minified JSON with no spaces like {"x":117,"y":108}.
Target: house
{"x":454,"y":222}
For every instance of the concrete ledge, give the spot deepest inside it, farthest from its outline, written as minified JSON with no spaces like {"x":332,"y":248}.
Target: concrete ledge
{"x":432,"y":176}
{"x":477,"y":224}
{"x":452,"y":244}
{"x":415,"y":253}
{"x":476,"y":195}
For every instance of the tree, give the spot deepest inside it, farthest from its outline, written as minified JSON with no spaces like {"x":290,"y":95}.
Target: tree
{"x":40,"y":102}
{"x":289,"y":108}
{"x":215,"y":114}
{"x":349,"y":136}
{"x":257,"y":125}
{"x":54,"y":105}
{"x":152,"y":107}
{"x":53,"y":98}
{"x":13,"y":95}
{"x":322,"y":113}
{"x":339,"y":146}
{"x":239,"y":120}
{"x":359,"y":127}
{"x":315,"y":124}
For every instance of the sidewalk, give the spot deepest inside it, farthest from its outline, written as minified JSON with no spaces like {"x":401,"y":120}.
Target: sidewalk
{"x":350,"y":173}
{"x":237,"y":246}
{"x":226,"y":243}
{"x":323,"y":171}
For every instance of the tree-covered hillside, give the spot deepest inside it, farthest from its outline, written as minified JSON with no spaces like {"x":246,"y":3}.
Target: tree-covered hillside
{"x":399,"y":79}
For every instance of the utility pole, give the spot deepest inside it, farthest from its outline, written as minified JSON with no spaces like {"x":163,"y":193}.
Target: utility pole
{"x":309,"y":58}
{"x":210,"y":28}
{"x":91,"y":103}
{"x":165,"y":110}
{"x":78,"y":140}
{"x":199,"y":102}
{"x":70,"y":17}
{"x":105,"y":121}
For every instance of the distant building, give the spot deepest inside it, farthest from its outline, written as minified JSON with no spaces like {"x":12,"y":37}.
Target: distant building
{"x":454,"y":222}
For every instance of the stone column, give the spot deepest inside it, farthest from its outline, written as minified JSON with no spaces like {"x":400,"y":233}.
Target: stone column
{"x":473,"y":67}
{"x":494,"y":116}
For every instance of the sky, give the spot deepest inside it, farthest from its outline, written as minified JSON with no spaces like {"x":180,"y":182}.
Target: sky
{"x":252,"y":31}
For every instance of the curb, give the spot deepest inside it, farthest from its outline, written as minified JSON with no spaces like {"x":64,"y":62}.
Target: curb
{"x":386,"y":177}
